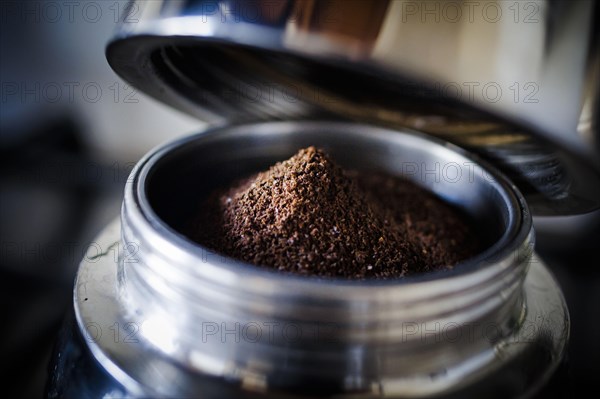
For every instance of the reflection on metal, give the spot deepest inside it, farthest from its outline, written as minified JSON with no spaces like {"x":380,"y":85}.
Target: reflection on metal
{"x":503,"y":79}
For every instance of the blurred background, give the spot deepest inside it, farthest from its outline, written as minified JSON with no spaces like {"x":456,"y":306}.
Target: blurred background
{"x":70,"y":132}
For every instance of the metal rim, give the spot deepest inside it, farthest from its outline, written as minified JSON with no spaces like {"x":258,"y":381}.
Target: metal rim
{"x":520,"y":223}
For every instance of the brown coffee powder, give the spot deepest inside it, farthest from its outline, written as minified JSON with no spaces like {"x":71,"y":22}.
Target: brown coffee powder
{"x":308,"y":216}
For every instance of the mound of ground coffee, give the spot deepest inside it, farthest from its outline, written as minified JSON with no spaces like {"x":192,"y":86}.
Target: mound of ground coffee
{"x":308,"y":216}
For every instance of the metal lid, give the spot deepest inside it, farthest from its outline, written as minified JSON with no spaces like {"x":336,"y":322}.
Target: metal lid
{"x":507,"y":80}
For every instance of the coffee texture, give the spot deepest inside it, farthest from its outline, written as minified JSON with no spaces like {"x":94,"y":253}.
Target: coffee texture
{"x":308,"y":216}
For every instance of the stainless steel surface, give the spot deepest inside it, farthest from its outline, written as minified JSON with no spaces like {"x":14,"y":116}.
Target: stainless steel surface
{"x":162,"y":317}
{"x":504,"y":79}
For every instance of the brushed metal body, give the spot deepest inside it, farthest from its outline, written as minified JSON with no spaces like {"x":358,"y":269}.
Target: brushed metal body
{"x":495,"y":326}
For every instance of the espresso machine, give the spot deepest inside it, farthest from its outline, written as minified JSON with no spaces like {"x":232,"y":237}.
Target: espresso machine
{"x":502,"y":94}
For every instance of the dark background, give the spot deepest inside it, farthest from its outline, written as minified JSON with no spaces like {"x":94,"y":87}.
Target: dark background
{"x":66,"y":149}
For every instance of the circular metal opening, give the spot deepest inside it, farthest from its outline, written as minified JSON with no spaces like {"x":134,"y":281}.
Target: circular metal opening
{"x":173,"y":181}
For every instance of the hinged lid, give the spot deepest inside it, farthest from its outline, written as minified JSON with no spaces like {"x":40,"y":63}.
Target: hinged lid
{"x":508,"y":80}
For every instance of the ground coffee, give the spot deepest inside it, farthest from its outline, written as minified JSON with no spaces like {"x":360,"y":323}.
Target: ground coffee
{"x":308,"y":216}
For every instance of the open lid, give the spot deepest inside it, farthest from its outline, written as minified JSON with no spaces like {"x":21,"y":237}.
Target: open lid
{"x":516,"y":83}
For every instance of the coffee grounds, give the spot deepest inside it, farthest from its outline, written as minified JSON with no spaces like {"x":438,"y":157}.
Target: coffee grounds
{"x":443,"y":233}
{"x":308,"y":216}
